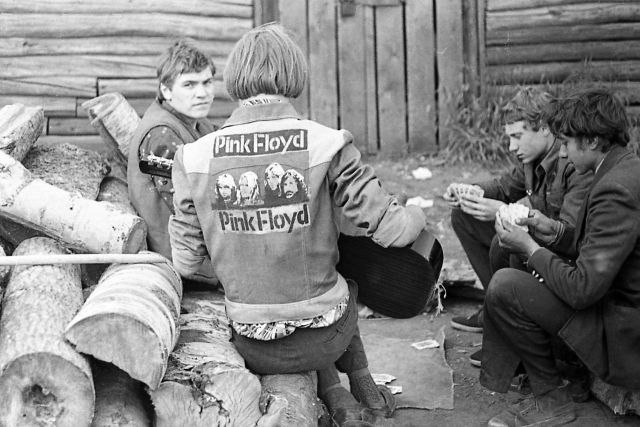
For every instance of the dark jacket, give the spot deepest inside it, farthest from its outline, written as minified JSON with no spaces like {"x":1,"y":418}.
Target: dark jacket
{"x":551,"y":185}
{"x":603,"y":283}
{"x":143,"y":192}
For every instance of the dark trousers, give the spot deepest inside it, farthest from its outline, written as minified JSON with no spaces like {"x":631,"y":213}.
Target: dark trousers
{"x":308,"y":349}
{"x":522,"y":318}
{"x":479,"y":241}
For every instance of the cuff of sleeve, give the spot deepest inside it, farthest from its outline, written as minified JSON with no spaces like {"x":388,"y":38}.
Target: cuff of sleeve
{"x":539,"y":259}
{"x":185,"y":262}
{"x":400,"y":226}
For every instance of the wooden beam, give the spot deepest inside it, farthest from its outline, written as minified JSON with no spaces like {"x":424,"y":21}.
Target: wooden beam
{"x":568,"y":33}
{"x":421,"y":76}
{"x":450,"y":61}
{"x":572,"y":51}
{"x":49,"y":86}
{"x":122,"y":24}
{"x":293,"y":16}
{"x":371,"y":79}
{"x":113,"y":45}
{"x":392,"y":113}
{"x":495,"y":5}
{"x":555,"y":72}
{"x":482,"y":42}
{"x":351,"y":67}
{"x":323,"y":90}
{"x":471,"y":45}
{"x":53,"y":106}
{"x":70,"y":126}
{"x":629,"y":92}
{"x":572,"y":14}
{"x":188,"y":7}
{"x":265,"y":11}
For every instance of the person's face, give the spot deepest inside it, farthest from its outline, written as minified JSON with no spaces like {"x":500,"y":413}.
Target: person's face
{"x":191,"y":94}
{"x":273,"y":180}
{"x":527,"y":144}
{"x":290,"y":187}
{"x":225,"y":191}
{"x":245,"y":190}
{"x":583,"y":157}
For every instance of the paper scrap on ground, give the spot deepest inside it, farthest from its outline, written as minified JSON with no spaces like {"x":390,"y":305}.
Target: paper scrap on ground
{"x":382,"y":379}
{"x":421,"y":345}
{"x":395,"y":389}
{"x":421,"y":173}
{"x":424,"y":376}
{"x":420,"y":202}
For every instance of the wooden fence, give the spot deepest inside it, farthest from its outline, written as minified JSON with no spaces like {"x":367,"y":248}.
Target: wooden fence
{"x":59,"y":53}
{"x":387,"y":70}
{"x":556,"y":41}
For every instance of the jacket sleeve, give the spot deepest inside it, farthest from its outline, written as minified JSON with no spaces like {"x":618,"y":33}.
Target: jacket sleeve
{"x":609,"y":238}
{"x":360,"y":200}
{"x":188,"y":249}
{"x":576,"y":189}
{"x":507,"y":188}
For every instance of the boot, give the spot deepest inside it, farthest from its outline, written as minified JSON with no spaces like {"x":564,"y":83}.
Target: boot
{"x":376,"y":397}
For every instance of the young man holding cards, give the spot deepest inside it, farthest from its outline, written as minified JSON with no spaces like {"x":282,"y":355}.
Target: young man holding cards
{"x":547,"y":181}
{"x":588,"y":294}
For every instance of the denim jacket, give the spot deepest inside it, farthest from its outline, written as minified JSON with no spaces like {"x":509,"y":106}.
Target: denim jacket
{"x":264,"y":197}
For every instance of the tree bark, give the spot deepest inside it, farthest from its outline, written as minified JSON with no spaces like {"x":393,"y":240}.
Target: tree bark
{"x":290,"y":400}
{"x":115,"y":190}
{"x":120,"y":400}
{"x":20,"y":126}
{"x":43,"y":381}
{"x":130,"y":320}
{"x":85,"y":225}
{"x":206,"y":382}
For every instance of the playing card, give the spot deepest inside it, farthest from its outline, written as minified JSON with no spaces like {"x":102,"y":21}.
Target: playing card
{"x":511,"y":212}
{"x":421,"y":345}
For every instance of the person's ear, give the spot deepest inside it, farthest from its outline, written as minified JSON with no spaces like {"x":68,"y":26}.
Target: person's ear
{"x":592,"y":143}
{"x":545,"y":131}
{"x":166,"y":92}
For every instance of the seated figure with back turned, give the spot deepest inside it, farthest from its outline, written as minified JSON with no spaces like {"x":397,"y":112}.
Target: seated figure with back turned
{"x":177,"y":116}
{"x":548,"y":181}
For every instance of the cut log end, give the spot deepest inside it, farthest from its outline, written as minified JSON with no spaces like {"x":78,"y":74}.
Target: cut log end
{"x":88,"y":337}
{"x":31,"y":393}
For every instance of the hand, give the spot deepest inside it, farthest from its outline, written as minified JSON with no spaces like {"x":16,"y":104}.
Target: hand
{"x":480,"y":208}
{"x":541,"y":227}
{"x":515,"y":239}
{"x":450,"y":196}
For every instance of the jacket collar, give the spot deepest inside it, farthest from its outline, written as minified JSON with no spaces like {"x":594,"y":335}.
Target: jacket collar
{"x":189,"y":122}
{"x":612,"y":158}
{"x":253,"y":113}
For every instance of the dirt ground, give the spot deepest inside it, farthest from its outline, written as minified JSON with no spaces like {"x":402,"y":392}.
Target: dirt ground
{"x":474,"y":405}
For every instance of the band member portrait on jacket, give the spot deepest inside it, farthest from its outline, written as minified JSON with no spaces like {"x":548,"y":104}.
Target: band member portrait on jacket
{"x":543,"y":177}
{"x":289,"y":309}
{"x":272,"y":176}
{"x":226,"y":193}
{"x":293,"y":188}
{"x":249,"y":189}
{"x":588,"y":296}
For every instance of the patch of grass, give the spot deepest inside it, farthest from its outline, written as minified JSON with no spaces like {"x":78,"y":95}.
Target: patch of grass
{"x":475,"y":129}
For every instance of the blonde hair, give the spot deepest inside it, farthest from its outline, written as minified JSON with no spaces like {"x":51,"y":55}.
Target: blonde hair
{"x":266,"y":60}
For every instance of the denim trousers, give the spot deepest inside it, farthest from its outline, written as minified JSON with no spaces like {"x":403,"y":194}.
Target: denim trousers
{"x":308,"y":349}
{"x":522,"y":318}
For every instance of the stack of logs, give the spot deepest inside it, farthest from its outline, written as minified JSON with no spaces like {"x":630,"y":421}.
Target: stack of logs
{"x":129,"y":350}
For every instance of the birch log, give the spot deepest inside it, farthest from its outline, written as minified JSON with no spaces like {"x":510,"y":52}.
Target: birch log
{"x":620,"y":400}
{"x":115,"y":190}
{"x":20,"y":126}
{"x":206,"y":383}
{"x":130,"y":319}
{"x":120,"y":400}
{"x":290,"y":400}
{"x":43,"y":381}
{"x":85,"y":225}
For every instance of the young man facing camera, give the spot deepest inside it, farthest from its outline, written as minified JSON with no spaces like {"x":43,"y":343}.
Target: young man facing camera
{"x":547,"y":180}
{"x":176,"y":117}
{"x":589,"y":296}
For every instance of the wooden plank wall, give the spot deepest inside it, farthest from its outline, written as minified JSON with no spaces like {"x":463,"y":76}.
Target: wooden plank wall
{"x":555,"y":41}
{"x":385,"y":69}
{"x":59,"y":53}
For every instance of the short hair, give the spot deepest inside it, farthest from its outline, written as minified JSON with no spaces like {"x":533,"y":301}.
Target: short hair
{"x":592,"y":113}
{"x":266,"y":60}
{"x":182,"y":57}
{"x":529,"y":105}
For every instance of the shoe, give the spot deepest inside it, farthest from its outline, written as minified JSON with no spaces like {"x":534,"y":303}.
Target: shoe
{"x":376,"y":397}
{"x":472,"y":323}
{"x":552,"y":409}
{"x":476,"y":359}
{"x":345,"y":411}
